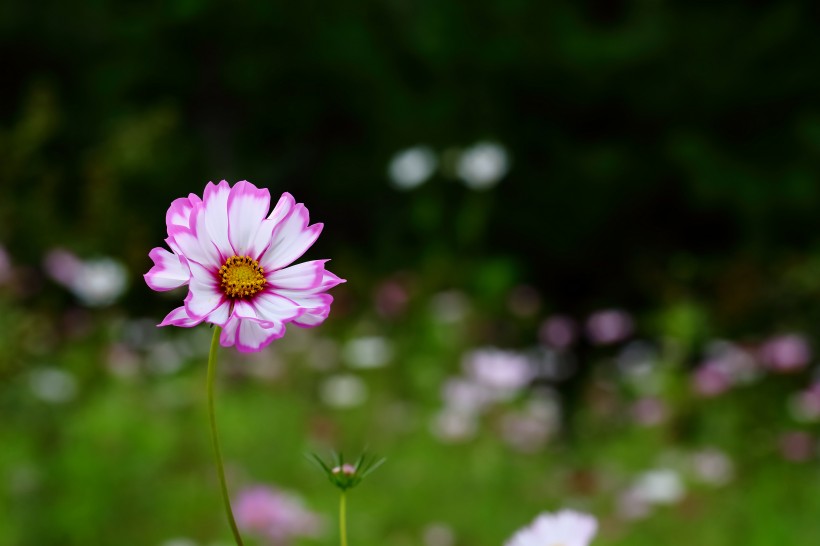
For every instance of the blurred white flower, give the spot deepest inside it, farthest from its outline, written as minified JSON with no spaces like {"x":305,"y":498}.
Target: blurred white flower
{"x":368,"y":352}
{"x":465,"y":396}
{"x":661,"y":486}
{"x":482,"y":166}
{"x":412,"y":167}
{"x":503,"y":372}
{"x":712,"y":466}
{"x":631,"y":506}
{"x":564,"y":528}
{"x":96,"y":283}
{"x":438,"y":534}
{"x":637,"y":360}
{"x":343,"y":391}
{"x":805,"y":405}
{"x":454,"y":426}
{"x":449,"y":307}
{"x":52,"y":385}
{"x":735,"y":362}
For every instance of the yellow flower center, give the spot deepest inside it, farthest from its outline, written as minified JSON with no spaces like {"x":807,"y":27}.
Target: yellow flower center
{"x":241,"y":277}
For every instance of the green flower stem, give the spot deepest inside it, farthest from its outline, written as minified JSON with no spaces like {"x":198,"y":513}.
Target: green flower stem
{"x":343,"y":519}
{"x":217,"y":450}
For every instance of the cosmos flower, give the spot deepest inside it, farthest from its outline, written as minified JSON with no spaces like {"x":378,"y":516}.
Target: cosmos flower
{"x":234,"y":258}
{"x":275,"y":516}
{"x":564,"y":528}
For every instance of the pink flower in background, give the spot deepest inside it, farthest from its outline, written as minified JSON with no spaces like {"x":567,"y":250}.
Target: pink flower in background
{"x":564,"y":528}
{"x":609,"y":326}
{"x":5,"y":266}
{"x":710,"y":380}
{"x":274,"y":516}
{"x":558,"y":331}
{"x":649,"y":411}
{"x":234,"y":258}
{"x":786,"y":353}
{"x":797,"y":446}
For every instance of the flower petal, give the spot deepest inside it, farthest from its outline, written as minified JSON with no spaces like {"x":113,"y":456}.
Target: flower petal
{"x":179,"y":317}
{"x":169,"y":271}
{"x":291,"y":238}
{"x":261,"y":240}
{"x":282,"y":208}
{"x":215,"y":213}
{"x":179,"y":213}
{"x":304,"y":276}
{"x":268,"y":307}
{"x":205,"y":300}
{"x":249,"y":335}
{"x":314,"y":317}
{"x":196,"y":244}
{"x":315,"y":307}
{"x":329,"y":280}
{"x":247,"y":207}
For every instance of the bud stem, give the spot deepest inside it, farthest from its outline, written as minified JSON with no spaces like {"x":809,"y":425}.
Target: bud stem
{"x":343,"y":519}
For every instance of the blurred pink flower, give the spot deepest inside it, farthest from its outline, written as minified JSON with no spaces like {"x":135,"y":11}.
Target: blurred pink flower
{"x":5,"y":266}
{"x":564,"y":528}
{"x":274,"y":516}
{"x":649,"y":411}
{"x":786,"y":353}
{"x":62,"y":266}
{"x":391,"y":298}
{"x":797,"y":446}
{"x":502,"y":372}
{"x":558,"y":331}
{"x":235,"y":262}
{"x":805,"y":405}
{"x":710,"y":380}
{"x":609,"y":326}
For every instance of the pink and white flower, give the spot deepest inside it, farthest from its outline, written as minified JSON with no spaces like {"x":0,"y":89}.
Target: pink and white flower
{"x":564,"y":528}
{"x":235,"y":259}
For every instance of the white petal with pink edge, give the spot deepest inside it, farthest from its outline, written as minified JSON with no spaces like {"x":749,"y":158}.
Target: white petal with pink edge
{"x":262,"y":239}
{"x":170,"y":271}
{"x":215,"y":216}
{"x":290,"y":239}
{"x":304,"y":276}
{"x":315,"y":307}
{"x":249,"y":335}
{"x":247,"y":207}
{"x":282,"y":208}
{"x":195,"y":244}
{"x":205,"y":299}
{"x":270,"y":306}
{"x":179,"y":213}
{"x":179,"y":317}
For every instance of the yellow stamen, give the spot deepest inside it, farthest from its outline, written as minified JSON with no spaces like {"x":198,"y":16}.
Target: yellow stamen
{"x":242,"y":277}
